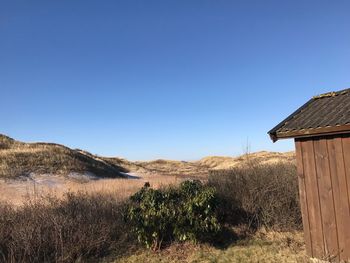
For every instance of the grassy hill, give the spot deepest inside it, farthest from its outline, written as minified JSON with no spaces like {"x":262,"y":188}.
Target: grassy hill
{"x":175,"y":168}
{"x":263,"y":157}
{"x":202,"y":167}
{"x":21,"y":159}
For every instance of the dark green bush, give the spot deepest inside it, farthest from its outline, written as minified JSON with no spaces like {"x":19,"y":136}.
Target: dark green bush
{"x":259,"y":195}
{"x":174,"y":214}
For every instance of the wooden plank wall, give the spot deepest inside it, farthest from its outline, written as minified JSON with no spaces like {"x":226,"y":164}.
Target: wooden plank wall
{"x":324,"y":185}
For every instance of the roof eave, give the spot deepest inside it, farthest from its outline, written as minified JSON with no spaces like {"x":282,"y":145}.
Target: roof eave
{"x":322,"y":131}
{"x":282,"y":123}
{"x":273,"y":137}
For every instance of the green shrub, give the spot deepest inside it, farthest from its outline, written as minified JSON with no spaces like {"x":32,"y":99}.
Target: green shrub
{"x":174,"y":214}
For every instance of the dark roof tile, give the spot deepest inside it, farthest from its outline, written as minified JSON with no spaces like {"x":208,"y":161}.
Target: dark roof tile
{"x":325,"y":110}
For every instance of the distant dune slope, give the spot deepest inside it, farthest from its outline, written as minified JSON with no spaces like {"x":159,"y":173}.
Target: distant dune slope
{"x":202,"y":167}
{"x":21,"y":159}
{"x":178,"y":168}
{"x":263,"y":157}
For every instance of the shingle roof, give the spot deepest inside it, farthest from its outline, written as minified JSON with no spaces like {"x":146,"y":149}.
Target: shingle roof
{"x":322,"y":114}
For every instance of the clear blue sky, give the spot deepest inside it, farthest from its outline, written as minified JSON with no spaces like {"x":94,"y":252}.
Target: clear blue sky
{"x":166,"y":79}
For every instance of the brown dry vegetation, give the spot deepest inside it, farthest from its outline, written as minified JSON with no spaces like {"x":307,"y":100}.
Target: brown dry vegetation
{"x":22,"y":159}
{"x":260,"y":195}
{"x":41,"y":168}
{"x":260,"y":247}
{"x":203,"y":167}
{"x":18,"y":191}
{"x":76,"y":228}
{"x":176,"y":168}
{"x":91,"y":228}
{"x":261,"y":158}
{"x":60,"y":218}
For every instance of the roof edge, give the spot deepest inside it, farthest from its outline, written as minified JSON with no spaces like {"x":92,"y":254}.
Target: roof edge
{"x":273,"y":131}
{"x":320,"y":131}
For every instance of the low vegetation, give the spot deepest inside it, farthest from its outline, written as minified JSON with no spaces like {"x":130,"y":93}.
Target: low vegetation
{"x":22,"y":159}
{"x":259,"y":195}
{"x":262,"y":158}
{"x":181,"y":223}
{"x":176,"y":168}
{"x":79,"y":227}
{"x":261,"y":247}
{"x":228,"y":216}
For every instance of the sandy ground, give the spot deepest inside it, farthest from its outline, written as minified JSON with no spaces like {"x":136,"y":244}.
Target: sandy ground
{"x":17,"y":191}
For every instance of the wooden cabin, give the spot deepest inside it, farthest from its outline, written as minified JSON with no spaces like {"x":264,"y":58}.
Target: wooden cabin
{"x":321,"y":131}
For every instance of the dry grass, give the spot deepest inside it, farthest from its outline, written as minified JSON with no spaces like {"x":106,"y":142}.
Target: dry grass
{"x":18,"y":159}
{"x":176,"y":168}
{"x":262,"y":158}
{"x":202,"y":167}
{"x":76,"y":228}
{"x":93,"y":228}
{"x":52,"y":164}
{"x":260,"y":195}
{"x":43,"y":212}
{"x":19,"y":191}
{"x":263,"y":247}
{"x":22,"y":159}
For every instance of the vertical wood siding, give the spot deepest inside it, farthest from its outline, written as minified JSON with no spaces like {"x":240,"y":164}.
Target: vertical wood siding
{"x":303,"y":199}
{"x":324,"y":182}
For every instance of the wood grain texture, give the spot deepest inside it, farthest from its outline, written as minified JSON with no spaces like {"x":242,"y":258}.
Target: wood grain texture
{"x":340,"y":194}
{"x":303,"y":197}
{"x":346,"y":155}
{"x":325,"y":189}
{"x":311,"y":185}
